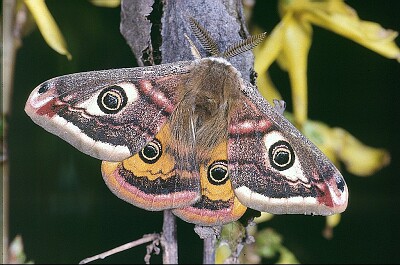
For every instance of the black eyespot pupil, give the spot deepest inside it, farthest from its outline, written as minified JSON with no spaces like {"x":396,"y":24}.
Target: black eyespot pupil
{"x":281,"y":157}
{"x":150,"y":151}
{"x":340,"y":184}
{"x":111,"y":101}
{"x":44,"y":88}
{"x":218,"y":173}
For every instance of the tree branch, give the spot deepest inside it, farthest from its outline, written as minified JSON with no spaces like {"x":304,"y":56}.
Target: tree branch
{"x":155,"y":30}
{"x":14,"y":19}
{"x":143,"y":240}
{"x":209,"y":235}
{"x":169,"y":242}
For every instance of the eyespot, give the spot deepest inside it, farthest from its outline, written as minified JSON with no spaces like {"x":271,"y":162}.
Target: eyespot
{"x":217,"y":173}
{"x":112,"y":99}
{"x":281,"y":155}
{"x":44,"y":87}
{"x":340,"y":183}
{"x":151,"y":152}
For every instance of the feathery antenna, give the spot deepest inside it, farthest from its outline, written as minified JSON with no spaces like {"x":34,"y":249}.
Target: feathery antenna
{"x":211,"y":46}
{"x":243,"y":45}
{"x":204,"y":37}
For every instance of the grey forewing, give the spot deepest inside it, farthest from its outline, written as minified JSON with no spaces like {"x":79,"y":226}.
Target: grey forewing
{"x":311,"y":157}
{"x":132,"y":127}
{"x":75,"y":84}
{"x":284,"y":125}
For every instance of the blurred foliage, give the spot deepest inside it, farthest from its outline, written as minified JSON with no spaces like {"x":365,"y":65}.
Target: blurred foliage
{"x":106,"y":3}
{"x":269,"y":245}
{"x":16,"y":253}
{"x":48,"y":26}
{"x":230,"y":242}
{"x":288,"y":45}
{"x":290,"y":41}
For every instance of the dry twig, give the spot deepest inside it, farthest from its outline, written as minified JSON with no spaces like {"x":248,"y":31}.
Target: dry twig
{"x":146,"y":238}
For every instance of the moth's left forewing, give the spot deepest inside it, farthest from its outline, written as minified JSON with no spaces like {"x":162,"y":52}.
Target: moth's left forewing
{"x":274,"y":168}
{"x":108,"y":114}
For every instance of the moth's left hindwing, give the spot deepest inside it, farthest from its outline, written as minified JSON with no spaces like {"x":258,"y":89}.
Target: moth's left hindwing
{"x":152,"y":179}
{"x":109,"y":114}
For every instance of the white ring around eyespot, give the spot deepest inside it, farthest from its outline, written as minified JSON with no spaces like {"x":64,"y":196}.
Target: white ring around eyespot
{"x":115,"y":94}
{"x":278,"y":149}
{"x":156,"y":146}
{"x":92,"y":108}
{"x":293,"y":173}
{"x":218,"y":165}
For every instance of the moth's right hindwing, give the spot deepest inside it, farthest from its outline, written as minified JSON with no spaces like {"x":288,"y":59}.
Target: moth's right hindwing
{"x":218,"y":204}
{"x":109,"y":114}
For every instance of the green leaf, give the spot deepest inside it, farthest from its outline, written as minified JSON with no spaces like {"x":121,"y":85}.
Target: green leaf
{"x":106,"y":3}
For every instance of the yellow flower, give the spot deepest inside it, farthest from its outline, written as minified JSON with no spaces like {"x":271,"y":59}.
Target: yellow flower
{"x":48,"y":26}
{"x":340,"y":146}
{"x":106,"y":3}
{"x":331,"y":222}
{"x":289,"y":42}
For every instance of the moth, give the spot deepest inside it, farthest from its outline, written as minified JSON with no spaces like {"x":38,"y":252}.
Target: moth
{"x":191,"y":136}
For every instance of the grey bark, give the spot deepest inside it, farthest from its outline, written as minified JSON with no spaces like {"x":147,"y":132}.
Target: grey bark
{"x":143,"y":22}
{"x":155,"y":30}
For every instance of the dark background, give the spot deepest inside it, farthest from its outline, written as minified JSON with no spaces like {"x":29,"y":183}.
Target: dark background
{"x":65,"y":213}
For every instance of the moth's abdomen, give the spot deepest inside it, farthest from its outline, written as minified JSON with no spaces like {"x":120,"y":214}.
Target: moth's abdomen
{"x":210,"y":91}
